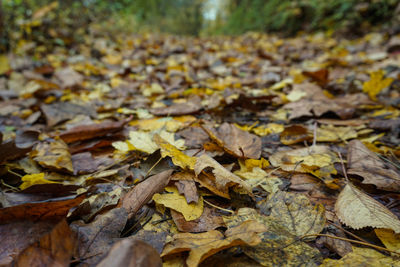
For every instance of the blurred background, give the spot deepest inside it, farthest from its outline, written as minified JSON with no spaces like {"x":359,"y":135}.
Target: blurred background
{"x":64,"y":22}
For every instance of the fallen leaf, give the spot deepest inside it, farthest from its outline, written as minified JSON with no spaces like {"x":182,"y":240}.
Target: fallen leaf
{"x":188,"y":189}
{"x":278,"y":247}
{"x":53,"y":154}
{"x":235,"y":141}
{"x":173,"y":200}
{"x":43,"y":243}
{"x":362,"y":257}
{"x":178,"y":158}
{"x":223,"y":177}
{"x":295,"y":212}
{"x":365,"y":163}
{"x":142,"y":193}
{"x":33,"y":179}
{"x":389,"y":239}
{"x":357,"y":210}
{"x":97,"y":237}
{"x":203,"y":245}
{"x":209,"y":220}
{"x":376,"y":84}
{"x":131,"y":253}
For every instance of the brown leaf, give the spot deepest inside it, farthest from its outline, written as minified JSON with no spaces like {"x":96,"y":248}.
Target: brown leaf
{"x":51,"y":209}
{"x":209,"y":220}
{"x":177,"y":109}
{"x":189,"y":189}
{"x":67,"y":77}
{"x":43,"y":243}
{"x":85,"y":132}
{"x":143,"y":192}
{"x":131,"y":253}
{"x":235,"y":141}
{"x":365,"y":163}
{"x":97,"y":237}
{"x":58,"y":112}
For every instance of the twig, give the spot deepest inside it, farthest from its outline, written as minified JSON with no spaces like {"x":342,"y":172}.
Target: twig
{"x":353,"y":241}
{"x":212,"y":205}
{"x":154,"y":165}
{"x":347,"y":232}
{"x":343,"y":168}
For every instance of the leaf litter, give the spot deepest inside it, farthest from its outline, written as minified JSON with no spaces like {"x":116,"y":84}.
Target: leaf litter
{"x":194,"y":151}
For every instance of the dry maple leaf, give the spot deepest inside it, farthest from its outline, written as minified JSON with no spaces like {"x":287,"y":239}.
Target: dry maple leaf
{"x":203,"y":245}
{"x":357,"y":210}
{"x":223,"y":177}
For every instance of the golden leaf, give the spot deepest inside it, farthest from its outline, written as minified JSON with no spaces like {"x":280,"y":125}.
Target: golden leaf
{"x":357,"y":210}
{"x":175,"y":201}
{"x":376,"y":84}
{"x":32,"y":179}
{"x":389,"y":239}
{"x":53,"y":154}
{"x":178,"y":158}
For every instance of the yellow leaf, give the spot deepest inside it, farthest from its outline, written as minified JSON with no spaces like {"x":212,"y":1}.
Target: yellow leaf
{"x":178,"y":158}
{"x":4,"y":66}
{"x":142,"y":141}
{"x":389,"y":239}
{"x":270,"y":128}
{"x":358,"y":210}
{"x":376,"y":84}
{"x":32,"y":179}
{"x":330,"y":133}
{"x":175,"y":201}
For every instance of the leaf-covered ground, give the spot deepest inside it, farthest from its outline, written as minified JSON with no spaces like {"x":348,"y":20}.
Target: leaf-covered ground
{"x":232,"y":151}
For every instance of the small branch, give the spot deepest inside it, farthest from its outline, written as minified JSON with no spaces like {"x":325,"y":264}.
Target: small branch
{"x":353,"y":241}
{"x":212,"y":205}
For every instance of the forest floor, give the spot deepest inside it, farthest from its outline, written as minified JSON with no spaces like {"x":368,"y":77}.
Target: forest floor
{"x":232,"y":151}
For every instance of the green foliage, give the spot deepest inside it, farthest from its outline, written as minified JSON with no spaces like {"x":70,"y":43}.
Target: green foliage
{"x":290,"y":16}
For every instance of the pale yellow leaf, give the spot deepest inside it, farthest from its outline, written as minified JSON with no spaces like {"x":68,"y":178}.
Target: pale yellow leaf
{"x":358,"y":210}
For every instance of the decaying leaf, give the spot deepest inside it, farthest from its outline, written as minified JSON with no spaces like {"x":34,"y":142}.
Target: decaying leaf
{"x":203,"y":245}
{"x":278,"y":247}
{"x":172,"y":199}
{"x":362,"y":257}
{"x":295,"y":212}
{"x":365,"y":163}
{"x":357,"y":210}
{"x":317,"y":160}
{"x":223,"y":177}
